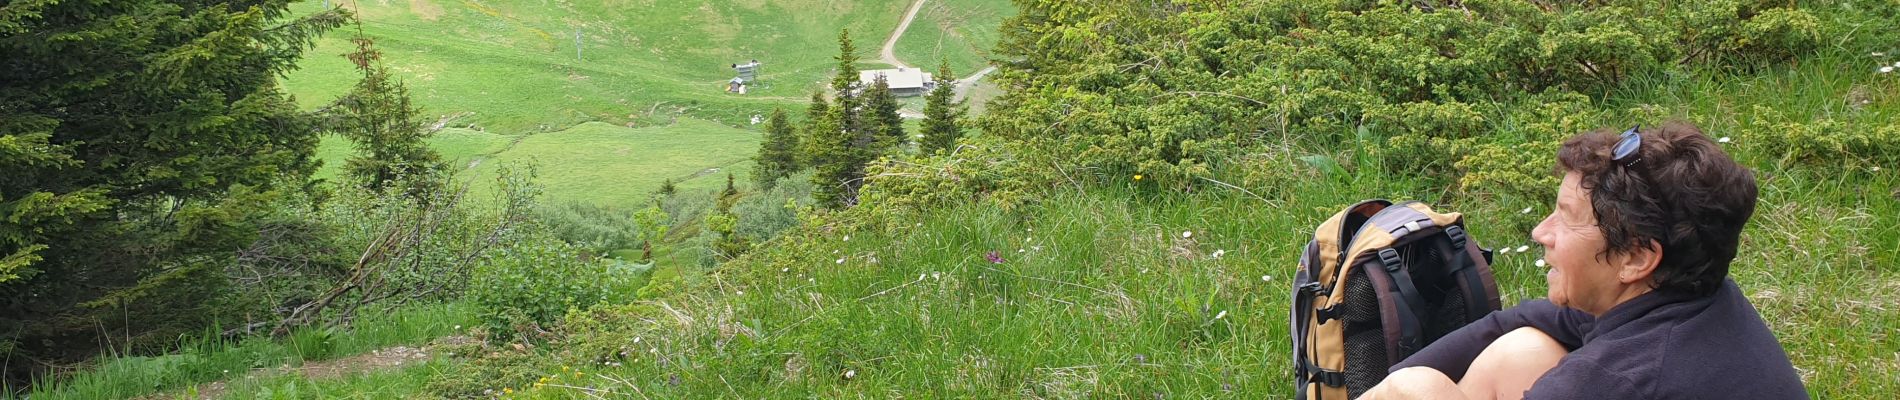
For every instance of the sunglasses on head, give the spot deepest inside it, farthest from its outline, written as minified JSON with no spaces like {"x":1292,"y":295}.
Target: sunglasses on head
{"x":1626,"y":147}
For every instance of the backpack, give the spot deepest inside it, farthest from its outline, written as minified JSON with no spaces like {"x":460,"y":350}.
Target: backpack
{"x":1378,"y":282}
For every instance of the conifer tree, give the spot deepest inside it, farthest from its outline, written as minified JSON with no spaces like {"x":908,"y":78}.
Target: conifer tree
{"x":390,"y":142}
{"x":941,"y":127}
{"x":807,"y":146}
{"x":885,"y":127}
{"x":123,"y":126}
{"x":834,"y":160}
{"x":778,"y":155}
{"x":839,"y":142}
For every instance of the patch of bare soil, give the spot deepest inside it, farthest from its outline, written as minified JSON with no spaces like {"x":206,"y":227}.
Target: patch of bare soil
{"x":375,"y":360}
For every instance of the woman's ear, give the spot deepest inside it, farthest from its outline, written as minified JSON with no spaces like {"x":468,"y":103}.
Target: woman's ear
{"x":1640,"y":263}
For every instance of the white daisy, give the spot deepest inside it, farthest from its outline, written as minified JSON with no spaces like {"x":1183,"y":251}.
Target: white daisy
{"x":1527,"y":210}
{"x":1724,"y":139}
{"x":1522,"y":249}
{"x":1187,"y":234}
{"x":1540,"y":263}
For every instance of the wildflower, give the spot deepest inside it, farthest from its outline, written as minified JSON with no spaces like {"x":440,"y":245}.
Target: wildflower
{"x":850,"y":373}
{"x":507,"y":390}
{"x":841,"y":261}
{"x":993,"y":257}
{"x":847,"y":238}
{"x":563,"y":368}
{"x":1222,"y":314}
{"x":1219,"y":252}
{"x":936,"y":275}
{"x":227,"y":371}
{"x":1137,"y":177}
{"x":1724,"y":139}
{"x":1504,"y":250}
{"x":1140,"y":358}
{"x":636,"y":339}
{"x":1540,"y":263}
{"x":786,"y":269}
{"x":741,"y":292}
{"x":458,"y":327}
{"x":1187,"y":234}
{"x":1522,"y":249}
{"x":1886,"y":69}
{"x":1527,"y":210}
{"x":1266,"y":278}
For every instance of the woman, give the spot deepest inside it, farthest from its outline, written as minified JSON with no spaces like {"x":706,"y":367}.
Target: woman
{"x":1640,"y":304}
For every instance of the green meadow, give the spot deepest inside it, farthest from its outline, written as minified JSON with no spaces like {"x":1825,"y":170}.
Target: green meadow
{"x":644,"y":101}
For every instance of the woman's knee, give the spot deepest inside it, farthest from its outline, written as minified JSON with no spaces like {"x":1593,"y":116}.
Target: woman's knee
{"x":1529,"y":343}
{"x":1511,"y":364}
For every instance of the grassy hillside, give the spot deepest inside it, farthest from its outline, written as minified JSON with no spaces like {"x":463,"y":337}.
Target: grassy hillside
{"x":498,"y":74}
{"x":593,"y":162}
{"x":958,"y":31}
{"x":513,"y":63}
{"x":1119,"y":291}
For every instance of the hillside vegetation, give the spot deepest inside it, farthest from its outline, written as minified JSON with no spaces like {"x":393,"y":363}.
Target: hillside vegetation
{"x":1127,"y":223}
{"x":1121,"y":220}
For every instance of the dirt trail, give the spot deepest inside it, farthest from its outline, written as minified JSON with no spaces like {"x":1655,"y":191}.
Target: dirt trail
{"x":375,"y":360}
{"x":888,"y":54}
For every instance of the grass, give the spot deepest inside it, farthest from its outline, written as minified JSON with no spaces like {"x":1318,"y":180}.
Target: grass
{"x":960,"y":32}
{"x":512,"y":63}
{"x":207,"y":359}
{"x":502,"y":75}
{"x":405,"y":382}
{"x":1107,"y":293}
{"x":592,"y":162}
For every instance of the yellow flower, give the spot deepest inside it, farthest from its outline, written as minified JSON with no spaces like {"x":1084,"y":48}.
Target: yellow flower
{"x":578,"y":374}
{"x":563,"y":368}
{"x":507,"y":390}
{"x":1138,"y":177}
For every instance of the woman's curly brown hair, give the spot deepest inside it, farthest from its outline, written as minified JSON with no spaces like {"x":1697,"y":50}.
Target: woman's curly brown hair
{"x":1679,"y":190}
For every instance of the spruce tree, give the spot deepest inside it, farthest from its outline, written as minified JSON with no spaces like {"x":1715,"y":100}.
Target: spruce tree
{"x":834,"y":160}
{"x":123,"y":127}
{"x":884,"y":125}
{"x":845,"y":86}
{"x":778,"y":155}
{"x":941,"y":127}
{"x":840,"y":143}
{"x":807,"y":146}
{"x":390,"y":142}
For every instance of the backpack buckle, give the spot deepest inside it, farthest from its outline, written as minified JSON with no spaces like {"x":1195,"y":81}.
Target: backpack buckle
{"x":1390,"y":257}
{"x":1326,"y":314}
{"x":1311,"y":288}
{"x":1457,"y":234}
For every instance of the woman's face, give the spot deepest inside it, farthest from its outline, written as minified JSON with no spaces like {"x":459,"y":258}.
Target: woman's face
{"x":1580,"y":277}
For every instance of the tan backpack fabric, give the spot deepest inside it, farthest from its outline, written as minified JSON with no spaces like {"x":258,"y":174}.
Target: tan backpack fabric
{"x":1378,"y":282}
